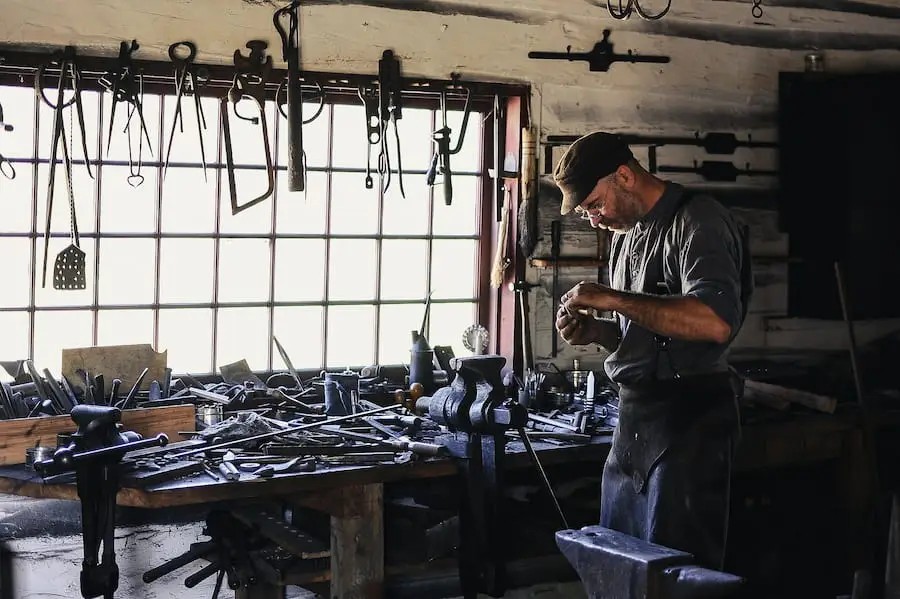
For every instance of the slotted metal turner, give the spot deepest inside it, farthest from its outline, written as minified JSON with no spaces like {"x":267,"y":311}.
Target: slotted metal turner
{"x":69,"y":268}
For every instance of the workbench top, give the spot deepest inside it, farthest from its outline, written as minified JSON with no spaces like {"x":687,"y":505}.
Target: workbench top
{"x":798,"y":440}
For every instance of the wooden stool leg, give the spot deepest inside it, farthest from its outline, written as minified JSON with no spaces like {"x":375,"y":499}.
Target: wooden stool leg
{"x":357,"y":545}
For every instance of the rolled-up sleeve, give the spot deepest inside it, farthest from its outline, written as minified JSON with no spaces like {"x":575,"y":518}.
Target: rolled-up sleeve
{"x":710,"y":263}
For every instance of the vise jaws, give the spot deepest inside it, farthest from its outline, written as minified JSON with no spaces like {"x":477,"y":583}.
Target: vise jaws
{"x":614,"y":564}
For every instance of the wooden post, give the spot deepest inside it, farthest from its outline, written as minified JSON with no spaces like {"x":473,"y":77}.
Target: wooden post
{"x":357,"y":544}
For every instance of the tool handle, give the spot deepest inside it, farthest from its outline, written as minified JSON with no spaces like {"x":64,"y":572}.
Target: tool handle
{"x":296,"y":175}
{"x":202,"y":574}
{"x":558,"y":55}
{"x":194,"y":553}
{"x":427,"y":449}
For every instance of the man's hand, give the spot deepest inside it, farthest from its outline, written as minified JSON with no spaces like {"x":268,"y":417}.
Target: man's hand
{"x":576,"y":329}
{"x":586,"y":295}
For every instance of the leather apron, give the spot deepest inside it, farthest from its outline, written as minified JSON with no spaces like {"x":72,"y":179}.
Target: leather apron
{"x":666,"y":479}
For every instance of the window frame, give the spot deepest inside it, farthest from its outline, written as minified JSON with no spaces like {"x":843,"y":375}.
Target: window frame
{"x":18,"y":68}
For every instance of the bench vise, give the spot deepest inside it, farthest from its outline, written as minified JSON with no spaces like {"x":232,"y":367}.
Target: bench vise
{"x":614,"y":564}
{"x":94,"y":453}
{"x":475,"y":410}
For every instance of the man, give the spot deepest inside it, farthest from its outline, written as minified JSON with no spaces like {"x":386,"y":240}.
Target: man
{"x":680,"y":281}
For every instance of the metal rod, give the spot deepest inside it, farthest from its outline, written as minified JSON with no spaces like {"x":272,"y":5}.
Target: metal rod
{"x":537,"y":463}
{"x":287,"y":431}
{"x":851,"y":334}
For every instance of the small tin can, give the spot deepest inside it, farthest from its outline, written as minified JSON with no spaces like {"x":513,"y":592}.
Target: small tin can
{"x":210,"y":415}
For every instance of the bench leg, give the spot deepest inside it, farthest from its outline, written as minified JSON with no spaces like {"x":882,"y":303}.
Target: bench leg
{"x":357,"y":544}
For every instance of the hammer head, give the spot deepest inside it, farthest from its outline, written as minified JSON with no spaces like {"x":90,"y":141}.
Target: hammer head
{"x":522,"y":286}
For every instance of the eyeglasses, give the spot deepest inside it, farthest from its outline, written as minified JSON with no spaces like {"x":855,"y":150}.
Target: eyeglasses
{"x":593,"y":207}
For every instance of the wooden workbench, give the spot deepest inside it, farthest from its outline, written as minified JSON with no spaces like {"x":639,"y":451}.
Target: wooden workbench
{"x":353,"y":495}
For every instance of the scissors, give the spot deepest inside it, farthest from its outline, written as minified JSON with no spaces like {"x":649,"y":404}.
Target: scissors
{"x":186,"y":77}
{"x":6,"y":167}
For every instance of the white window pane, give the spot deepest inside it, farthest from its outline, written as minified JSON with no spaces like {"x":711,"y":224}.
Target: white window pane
{"x":349,"y":139}
{"x":299,"y":270}
{"x":453,"y":268}
{"x":299,"y":330}
{"x":189,"y":202}
{"x":186,"y":271}
{"x":469,"y":157}
{"x":247,"y":138}
{"x":416,"y":128}
{"x":13,"y":335}
{"x":91,"y":105}
{"x":461,"y":217}
{"x":447,"y":322}
{"x":127,"y":209}
{"x":403,"y":268}
{"x":351,"y":269}
{"x":18,"y":111}
{"x":118,"y":146}
{"x":243,"y":334}
{"x":186,"y":142}
{"x":302,"y":212}
{"x":124,"y":327}
{"x":315,"y":135}
{"x":48,"y":296}
{"x":354,"y":209}
{"x":186,"y":334}
{"x":249,"y":184}
{"x":395,"y":327}
{"x":406,"y":216}
{"x":83,"y":190}
{"x":127,"y":268}
{"x":244,"y":267}
{"x":351,"y":336}
{"x":58,"y":330}
{"x":16,"y":255}
{"x":15,"y":197}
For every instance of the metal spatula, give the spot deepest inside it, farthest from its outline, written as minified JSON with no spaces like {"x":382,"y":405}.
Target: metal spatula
{"x":68,"y":271}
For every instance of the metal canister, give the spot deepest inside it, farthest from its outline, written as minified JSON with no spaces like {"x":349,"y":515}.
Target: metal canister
{"x":341,"y":388}
{"x":210,"y":415}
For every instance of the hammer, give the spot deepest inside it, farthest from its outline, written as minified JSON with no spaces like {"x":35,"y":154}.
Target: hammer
{"x":521,"y":288}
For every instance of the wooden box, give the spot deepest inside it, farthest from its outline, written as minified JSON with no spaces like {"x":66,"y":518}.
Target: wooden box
{"x":19,"y":434}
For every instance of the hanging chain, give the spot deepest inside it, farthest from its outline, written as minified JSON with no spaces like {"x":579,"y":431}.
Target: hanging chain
{"x":757,"y":10}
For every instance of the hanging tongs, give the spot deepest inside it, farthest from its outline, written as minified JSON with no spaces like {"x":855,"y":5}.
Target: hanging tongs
{"x":390,"y":111}
{"x":250,"y":77}
{"x":440,"y":161}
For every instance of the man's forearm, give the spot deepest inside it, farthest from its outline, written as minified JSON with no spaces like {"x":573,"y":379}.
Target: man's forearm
{"x":680,"y":317}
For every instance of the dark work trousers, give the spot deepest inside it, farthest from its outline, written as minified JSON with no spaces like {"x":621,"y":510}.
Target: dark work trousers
{"x":667,"y":477}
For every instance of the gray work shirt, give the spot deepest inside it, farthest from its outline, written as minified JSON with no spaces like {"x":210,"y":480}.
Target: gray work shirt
{"x":699,"y":255}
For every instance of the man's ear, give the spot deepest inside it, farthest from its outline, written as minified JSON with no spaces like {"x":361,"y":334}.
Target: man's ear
{"x":625,"y":176}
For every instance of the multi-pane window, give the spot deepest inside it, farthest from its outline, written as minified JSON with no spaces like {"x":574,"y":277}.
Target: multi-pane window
{"x":339,"y":273}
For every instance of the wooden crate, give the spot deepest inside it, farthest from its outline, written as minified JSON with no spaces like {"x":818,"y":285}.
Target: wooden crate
{"x":19,"y":434}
